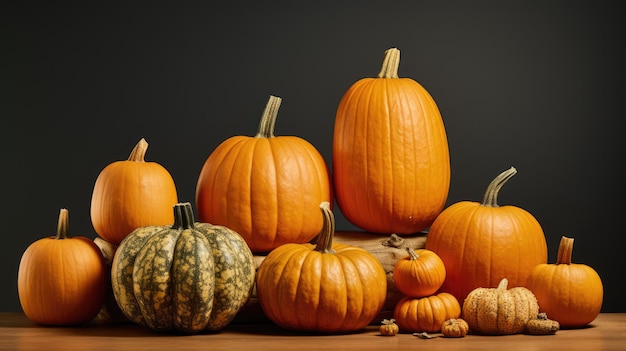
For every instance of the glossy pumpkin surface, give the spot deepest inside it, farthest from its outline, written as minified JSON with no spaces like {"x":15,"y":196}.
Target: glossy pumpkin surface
{"x":482,"y":243}
{"x":570,"y":293}
{"x":328,"y":288}
{"x":189,"y":277}
{"x":267,"y":188}
{"x":426,"y":314}
{"x":419,"y":274}
{"x":62,"y":279}
{"x":130,"y":194}
{"x":391,"y":166}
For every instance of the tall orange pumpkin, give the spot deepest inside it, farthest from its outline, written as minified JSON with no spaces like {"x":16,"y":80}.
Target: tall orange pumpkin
{"x":266,"y":188}
{"x":130,"y":194}
{"x":482,"y":243}
{"x":391,"y":164}
{"x":62,"y":279}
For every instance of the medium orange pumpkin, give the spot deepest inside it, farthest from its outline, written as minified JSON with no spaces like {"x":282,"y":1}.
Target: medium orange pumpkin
{"x":426,"y":314}
{"x":482,"y":243}
{"x":62,"y":280}
{"x":569,"y":293}
{"x":130,"y":194}
{"x":266,"y":188}
{"x":391,"y":164}
{"x":328,"y":288}
{"x":419,"y":274}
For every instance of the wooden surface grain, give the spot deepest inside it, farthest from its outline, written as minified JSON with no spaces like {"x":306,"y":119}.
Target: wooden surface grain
{"x":607,"y":332}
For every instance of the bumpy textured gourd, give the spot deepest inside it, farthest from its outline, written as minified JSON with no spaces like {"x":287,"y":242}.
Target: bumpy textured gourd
{"x":391,"y":164}
{"x":189,"y":277}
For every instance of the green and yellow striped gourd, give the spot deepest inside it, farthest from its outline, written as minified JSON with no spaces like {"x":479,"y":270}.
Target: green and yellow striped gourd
{"x":188,"y":277}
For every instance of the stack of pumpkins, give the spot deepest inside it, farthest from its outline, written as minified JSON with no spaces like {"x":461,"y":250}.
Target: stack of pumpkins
{"x":273,"y":195}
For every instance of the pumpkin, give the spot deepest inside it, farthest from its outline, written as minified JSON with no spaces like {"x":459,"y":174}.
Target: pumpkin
{"x":62,"y":279}
{"x":388,"y":327}
{"x":130,"y":194}
{"x":481,"y":242}
{"x":189,"y":276}
{"x":267,"y":188}
{"x":454,"y":328}
{"x":570,"y":293}
{"x":542,"y":325}
{"x":426,"y":314}
{"x":391,"y":163}
{"x":499,"y":311}
{"x":419,"y":274}
{"x":326,"y":287}
{"x":110,"y":311}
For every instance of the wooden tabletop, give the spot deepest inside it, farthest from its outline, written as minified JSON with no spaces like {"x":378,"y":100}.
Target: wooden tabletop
{"x":607,"y":332}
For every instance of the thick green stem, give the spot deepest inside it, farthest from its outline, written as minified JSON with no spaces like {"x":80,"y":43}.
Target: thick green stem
{"x":63,"y":225}
{"x":566,"y":247}
{"x":391,"y":63}
{"x":268,"y":119}
{"x":139,"y":151}
{"x":183,"y":216}
{"x":324,"y":242}
{"x":491,"y":194}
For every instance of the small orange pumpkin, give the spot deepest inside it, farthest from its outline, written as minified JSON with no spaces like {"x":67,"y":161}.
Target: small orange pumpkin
{"x":327,"y":288}
{"x":62,"y":280}
{"x":482,"y":243}
{"x":131,"y":194}
{"x":391,"y":164}
{"x":419,"y":274}
{"x":266,"y":188}
{"x":567,"y":292}
{"x":426,"y":314}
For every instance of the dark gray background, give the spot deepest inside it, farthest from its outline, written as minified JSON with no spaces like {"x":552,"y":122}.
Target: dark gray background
{"x":538,"y":85}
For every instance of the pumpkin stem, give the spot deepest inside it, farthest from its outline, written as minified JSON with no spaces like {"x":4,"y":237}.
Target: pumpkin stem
{"x":491,"y":194}
{"x":504,"y":283}
{"x":325,"y":238}
{"x":183,"y":216}
{"x":412,"y":254}
{"x":391,"y":62}
{"x":139,"y":151}
{"x":564,"y":255}
{"x":268,"y":119}
{"x":63,"y":225}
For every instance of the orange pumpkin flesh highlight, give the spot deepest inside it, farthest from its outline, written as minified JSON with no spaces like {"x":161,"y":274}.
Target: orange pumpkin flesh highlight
{"x":266,"y":188}
{"x":62,"y":279}
{"x":482,"y":243}
{"x":391,"y":165}
{"x":131,"y":194}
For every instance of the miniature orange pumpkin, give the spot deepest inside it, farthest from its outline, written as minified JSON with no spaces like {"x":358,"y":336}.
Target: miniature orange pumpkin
{"x":482,"y":243}
{"x":419,"y":274}
{"x":426,"y":314}
{"x":130,"y":194}
{"x":266,"y":188}
{"x":327,"y":288}
{"x":567,"y":292}
{"x":391,"y":164}
{"x":62,"y":279}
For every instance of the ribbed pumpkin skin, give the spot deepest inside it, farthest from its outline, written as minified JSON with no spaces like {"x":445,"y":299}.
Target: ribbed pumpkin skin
{"x":498,"y":311}
{"x":337,"y":290}
{"x":391,"y":164}
{"x":190,"y":277}
{"x":130,"y":194}
{"x":62,"y":280}
{"x":480,"y":244}
{"x":266,"y":188}
{"x":569,"y":293}
{"x":419,"y":274}
{"x":426,"y":314}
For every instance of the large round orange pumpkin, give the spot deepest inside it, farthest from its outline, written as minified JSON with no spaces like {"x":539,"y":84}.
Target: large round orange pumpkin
{"x":482,"y":243}
{"x":391,"y":164}
{"x":130,"y":194}
{"x":266,"y":188}
{"x":62,"y":279}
